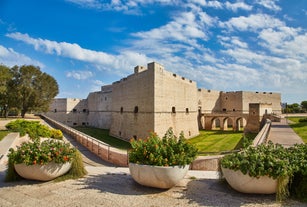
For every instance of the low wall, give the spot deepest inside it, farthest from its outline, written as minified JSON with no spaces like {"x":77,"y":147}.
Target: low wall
{"x":263,"y":134}
{"x":120,"y":157}
{"x":101,"y":149}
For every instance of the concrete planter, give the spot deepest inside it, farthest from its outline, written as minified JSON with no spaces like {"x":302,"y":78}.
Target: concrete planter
{"x":157,"y":176}
{"x":42,"y":172}
{"x":246,"y":184}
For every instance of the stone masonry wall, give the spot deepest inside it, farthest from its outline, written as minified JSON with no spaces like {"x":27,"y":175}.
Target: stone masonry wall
{"x":133,"y":105}
{"x":175,"y":103}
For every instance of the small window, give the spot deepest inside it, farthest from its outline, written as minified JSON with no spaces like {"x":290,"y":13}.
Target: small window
{"x":173,"y":109}
{"x":187,"y":110}
{"x":84,"y":110}
{"x":224,"y":110}
{"x":120,"y":133}
{"x":233,"y":109}
{"x":74,"y":110}
{"x":174,"y":75}
{"x":74,"y":123}
{"x":136,"y":109}
{"x":134,"y":136}
{"x":105,"y":98}
{"x":55,"y":110}
{"x":83,"y":123}
{"x":121,"y":110}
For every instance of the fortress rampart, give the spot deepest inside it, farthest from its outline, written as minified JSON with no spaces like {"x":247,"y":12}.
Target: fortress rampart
{"x":154,"y":99}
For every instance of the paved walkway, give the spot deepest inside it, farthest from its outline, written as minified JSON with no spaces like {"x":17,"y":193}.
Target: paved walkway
{"x":283,"y":134}
{"x":108,"y":185}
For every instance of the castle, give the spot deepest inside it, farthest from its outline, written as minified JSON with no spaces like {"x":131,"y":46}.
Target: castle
{"x":154,"y":99}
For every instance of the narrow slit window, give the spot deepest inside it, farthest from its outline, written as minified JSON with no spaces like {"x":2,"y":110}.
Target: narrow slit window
{"x":173,"y":109}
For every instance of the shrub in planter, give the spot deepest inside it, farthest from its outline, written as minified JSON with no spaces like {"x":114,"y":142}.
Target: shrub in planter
{"x":160,"y":163}
{"x":274,"y":161}
{"x":264,"y":160}
{"x":168,"y":151}
{"x":36,"y":153}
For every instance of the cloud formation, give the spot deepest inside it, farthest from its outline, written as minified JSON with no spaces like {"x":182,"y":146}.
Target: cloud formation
{"x":248,"y":48}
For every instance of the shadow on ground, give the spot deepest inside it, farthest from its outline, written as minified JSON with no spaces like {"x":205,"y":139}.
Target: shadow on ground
{"x":207,"y":192}
{"x":116,"y":183}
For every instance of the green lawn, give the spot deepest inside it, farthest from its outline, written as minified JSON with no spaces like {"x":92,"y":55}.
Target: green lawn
{"x":214,"y":142}
{"x":300,"y":128}
{"x":208,"y":142}
{"x":103,"y":135}
{"x":3,"y":133}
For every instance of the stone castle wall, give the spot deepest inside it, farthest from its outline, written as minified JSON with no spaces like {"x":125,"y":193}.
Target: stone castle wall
{"x":175,"y":103}
{"x":154,"y":99}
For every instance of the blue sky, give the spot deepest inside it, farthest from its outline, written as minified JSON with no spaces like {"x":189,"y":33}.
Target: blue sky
{"x":234,"y":45}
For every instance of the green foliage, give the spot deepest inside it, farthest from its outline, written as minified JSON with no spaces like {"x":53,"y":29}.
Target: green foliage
{"x":36,"y":152}
{"x":77,"y":168}
{"x":263,"y":160}
{"x":34,"y":129}
{"x":303,"y":120}
{"x":168,"y":151}
{"x":275,"y":161}
{"x":26,"y":88}
{"x":304,"y":105}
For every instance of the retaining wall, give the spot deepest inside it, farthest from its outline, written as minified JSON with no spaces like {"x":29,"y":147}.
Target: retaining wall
{"x":101,"y":149}
{"x":120,"y":157}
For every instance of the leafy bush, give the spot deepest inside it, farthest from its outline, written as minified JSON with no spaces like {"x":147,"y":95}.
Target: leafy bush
{"x":168,"y":151}
{"x":32,"y":153}
{"x":264,"y":160}
{"x":34,"y":129}
{"x":303,"y":120}
{"x":275,"y":161}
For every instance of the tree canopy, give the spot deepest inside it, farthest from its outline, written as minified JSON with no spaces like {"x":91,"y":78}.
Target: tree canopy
{"x":26,"y":88}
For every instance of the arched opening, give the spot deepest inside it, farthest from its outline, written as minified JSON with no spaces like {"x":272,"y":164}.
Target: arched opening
{"x":227,"y":124}
{"x":215,"y":124}
{"x":240,"y":124}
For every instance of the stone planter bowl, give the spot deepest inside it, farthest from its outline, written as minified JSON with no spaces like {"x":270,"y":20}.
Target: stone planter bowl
{"x":157,"y":176}
{"x":246,"y":184}
{"x":42,"y":172}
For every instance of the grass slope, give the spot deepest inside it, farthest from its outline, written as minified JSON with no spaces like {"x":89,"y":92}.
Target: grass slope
{"x":103,"y":135}
{"x":216,"y":141}
{"x":300,"y":128}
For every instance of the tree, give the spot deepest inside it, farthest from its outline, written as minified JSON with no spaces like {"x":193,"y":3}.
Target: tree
{"x":5,"y":77}
{"x":304,"y":105}
{"x":31,"y":89}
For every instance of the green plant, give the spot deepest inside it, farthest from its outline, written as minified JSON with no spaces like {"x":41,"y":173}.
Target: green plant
{"x":36,"y":152}
{"x":34,"y":129}
{"x":264,"y":160}
{"x":275,"y":161}
{"x":51,"y":150}
{"x":168,"y":151}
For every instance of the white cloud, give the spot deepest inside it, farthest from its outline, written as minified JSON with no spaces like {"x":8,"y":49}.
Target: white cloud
{"x":253,"y":22}
{"x":79,"y":75}
{"x":269,"y":4}
{"x":10,"y":58}
{"x":101,"y":60}
{"x":238,"y":5}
